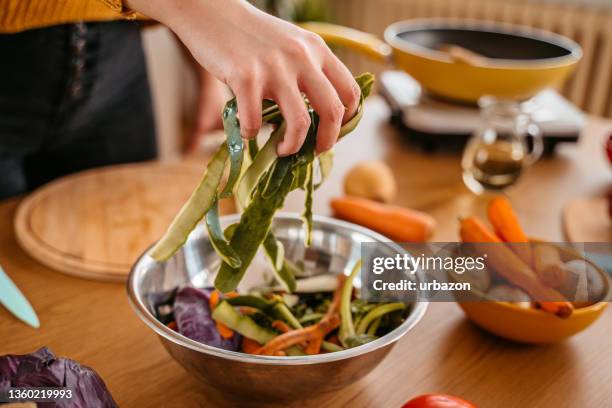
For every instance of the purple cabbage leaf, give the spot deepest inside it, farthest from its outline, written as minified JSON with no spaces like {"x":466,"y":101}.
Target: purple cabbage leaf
{"x":193,"y":319}
{"x":43,"y":369}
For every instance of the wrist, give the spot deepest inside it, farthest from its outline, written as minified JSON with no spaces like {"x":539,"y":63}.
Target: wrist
{"x":181,"y":16}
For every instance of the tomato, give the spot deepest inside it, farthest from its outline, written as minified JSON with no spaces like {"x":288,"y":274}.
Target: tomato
{"x":437,"y":401}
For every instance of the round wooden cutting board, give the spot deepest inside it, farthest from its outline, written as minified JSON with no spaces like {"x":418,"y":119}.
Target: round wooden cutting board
{"x":96,"y":223}
{"x":587,"y":220}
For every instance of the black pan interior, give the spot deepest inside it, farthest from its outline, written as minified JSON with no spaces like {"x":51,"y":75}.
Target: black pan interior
{"x":490,"y":44}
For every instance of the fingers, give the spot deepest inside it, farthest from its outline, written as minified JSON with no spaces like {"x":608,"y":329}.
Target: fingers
{"x":326,"y":102}
{"x":248,"y":98}
{"x":308,"y":65}
{"x":296,"y":115}
{"x":345,"y":85}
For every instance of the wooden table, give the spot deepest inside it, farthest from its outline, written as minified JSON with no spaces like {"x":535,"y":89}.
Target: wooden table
{"x":92,"y":322}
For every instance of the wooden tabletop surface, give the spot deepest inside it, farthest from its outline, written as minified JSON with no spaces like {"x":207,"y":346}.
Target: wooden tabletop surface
{"x":92,"y":322}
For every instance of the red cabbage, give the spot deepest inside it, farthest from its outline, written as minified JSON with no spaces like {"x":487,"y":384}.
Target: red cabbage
{"x":193,"y":319}
{"x":44,"y":369}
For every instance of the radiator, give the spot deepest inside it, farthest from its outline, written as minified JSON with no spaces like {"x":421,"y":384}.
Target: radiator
{"x":590,"y":87}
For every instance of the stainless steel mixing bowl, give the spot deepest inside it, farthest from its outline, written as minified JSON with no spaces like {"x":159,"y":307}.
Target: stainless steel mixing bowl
{"x":227,"y":375}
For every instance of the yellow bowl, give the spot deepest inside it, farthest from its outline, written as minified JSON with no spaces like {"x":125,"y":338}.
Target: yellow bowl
{"x":535,"y":326}
{"x":529,"y":325}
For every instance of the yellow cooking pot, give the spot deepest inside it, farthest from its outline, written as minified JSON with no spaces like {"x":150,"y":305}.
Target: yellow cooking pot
{"x":464,"y":60}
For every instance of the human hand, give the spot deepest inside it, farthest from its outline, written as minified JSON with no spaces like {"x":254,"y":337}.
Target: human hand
{"x":260,"y":56}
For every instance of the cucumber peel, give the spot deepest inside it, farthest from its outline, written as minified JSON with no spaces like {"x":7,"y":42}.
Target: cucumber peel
{"x":226,"y":314}
{"x":307,"y":214}
{"x":194,"y":209}
{"x":376,"y":313}
{"x":276,"y":255}
{"x":235,"y":147}
{"x":251,"y":231}
{"x":264,"y":158}
{"x":217,"y":238}
{"x":326,"y":161}
{"x":347,"y":328}
{"x":260,"y":189}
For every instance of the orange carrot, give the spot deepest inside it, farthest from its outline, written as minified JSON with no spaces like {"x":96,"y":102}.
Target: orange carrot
{"x":504,"y":221}
{"x":249,"y":346}
{"x":335,"y":303}
{"x":246,"y":310}
{"x":313,"y":335}
{"x":508,"y":228}
{"x":471,"y":229}
{"x":172,"y":325}
{"x":281,"y":326}
{"x":213,"y":300}
{"x":398,"y":223}
{"x":561,"y":309}
{"x":314,"y":347}
{"x":509,"y":266}
{"x":284,"y":328}
{"x":223,"y":330}
{"x":294,"y":337}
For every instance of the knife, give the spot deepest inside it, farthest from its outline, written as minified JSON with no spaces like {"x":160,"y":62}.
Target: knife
{"x":14,"y":301}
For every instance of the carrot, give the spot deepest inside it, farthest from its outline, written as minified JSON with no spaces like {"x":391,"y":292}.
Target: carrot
{"x":471,"y":229}
{"x":549,"y":266}
{"x":561,"y":309}
{"x":281,"y":326}
{"x":284,"y":328}
{"x":509,"y":266}
{"x":508,"y":228}
{"x":335,"y":303}
{"x":172,"y":325}
{"x":213,"y":300}
{"x":246,"y":310}
{"x":249,"y":346}
{"x":398,"y":223}
{"x":294,"y":337}
{"x":223,"y":330}
{"x":504,"y":221}
{"x":314,"y":347}
{"x":313,"y":334}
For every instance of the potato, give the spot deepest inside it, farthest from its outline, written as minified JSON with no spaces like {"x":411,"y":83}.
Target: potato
{"x":511,"y":294}
{"x":372,"y":180}
{"x":585,"y":285}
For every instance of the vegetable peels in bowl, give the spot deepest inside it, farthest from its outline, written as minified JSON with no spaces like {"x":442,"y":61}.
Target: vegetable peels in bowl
{"x":283,"y":358}
{"x":321,"y":316}
{"x":224,"y":374}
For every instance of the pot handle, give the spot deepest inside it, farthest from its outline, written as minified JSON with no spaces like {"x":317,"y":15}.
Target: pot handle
{"x":365,"y":43}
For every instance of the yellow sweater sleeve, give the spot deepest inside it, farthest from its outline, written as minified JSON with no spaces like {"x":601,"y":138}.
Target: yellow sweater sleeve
{"x":116,"y":5}
{"x":19,"y":15}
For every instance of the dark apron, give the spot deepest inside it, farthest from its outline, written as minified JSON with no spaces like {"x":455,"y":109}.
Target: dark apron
{"x":72,"y":97}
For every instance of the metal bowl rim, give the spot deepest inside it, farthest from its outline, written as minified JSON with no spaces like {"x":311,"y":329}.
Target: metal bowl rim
{"x":417,"y":312}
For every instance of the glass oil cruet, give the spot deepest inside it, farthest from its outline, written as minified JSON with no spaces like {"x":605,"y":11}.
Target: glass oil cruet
{"x":498,"y":152}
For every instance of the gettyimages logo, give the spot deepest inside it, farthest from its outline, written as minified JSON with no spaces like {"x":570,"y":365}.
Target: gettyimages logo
{"x":535,"y":272}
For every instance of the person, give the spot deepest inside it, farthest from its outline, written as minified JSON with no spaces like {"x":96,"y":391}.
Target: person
{"x":74,"y":92}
